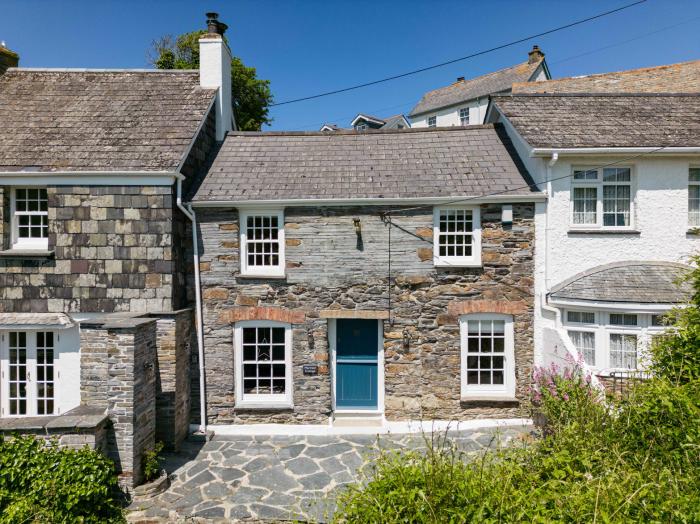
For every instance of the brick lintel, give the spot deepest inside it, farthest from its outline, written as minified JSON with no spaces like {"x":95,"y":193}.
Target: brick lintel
{"x":505,"y":307}
{"x":278,"y":314}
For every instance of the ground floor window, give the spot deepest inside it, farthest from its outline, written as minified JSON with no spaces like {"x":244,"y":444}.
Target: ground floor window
{"x":612,"y":340}
{"x":487,"y":356}
{"x":263,"y":362}
{"x":28,"y":379}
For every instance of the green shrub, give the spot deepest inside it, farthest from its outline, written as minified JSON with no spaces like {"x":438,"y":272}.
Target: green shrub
{"x":151,"y":462}
{"x":40,"y":482}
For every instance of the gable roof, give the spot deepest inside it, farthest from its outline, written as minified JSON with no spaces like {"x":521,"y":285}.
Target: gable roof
{"x":481,"y":86}
{"x":99,"y":120}
{"x":632,"y":282}
{"x":345,"y":165}
{"x":683,"y":77}
{"x":603,"y":120}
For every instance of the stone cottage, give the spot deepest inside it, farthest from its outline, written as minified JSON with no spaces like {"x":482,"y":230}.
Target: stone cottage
{"x":94,"y":320}
{"x":383,"y":275}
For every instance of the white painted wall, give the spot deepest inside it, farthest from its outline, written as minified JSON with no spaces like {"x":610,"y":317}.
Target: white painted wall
{"x":449,"y":116}
{"x":68,"y":369}
{"x":661,"y":217}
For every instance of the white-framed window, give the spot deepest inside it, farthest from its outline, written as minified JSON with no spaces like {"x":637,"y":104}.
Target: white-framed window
{"x":487,"y":356}
{"x":456,"y":236}
{"x":623,"y":350}
{"x":694,"y":197}
{"x":584,"y":341}
{"x":28,"y":377}
{"x":263,"y":363}
{"x":623,"y":319}
{"x":580,"y":317}
{"x":30,"y":218}
{"x":432,"y":121}
{"x":602,"y":198}
{"x":362,"y":126}
{"x":464,"y":116}
{"x":262,"y":243}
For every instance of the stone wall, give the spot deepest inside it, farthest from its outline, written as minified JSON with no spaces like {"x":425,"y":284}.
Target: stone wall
{"x":175,"y":332}
{"x":330,"y":267}
{"x":118,"y":373}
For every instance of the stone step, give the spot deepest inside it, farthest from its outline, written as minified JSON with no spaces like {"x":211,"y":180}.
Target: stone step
{"x":354,"y":420}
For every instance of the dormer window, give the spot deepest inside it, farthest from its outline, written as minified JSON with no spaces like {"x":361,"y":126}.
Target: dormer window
{"x":30,"y":218}
{"x":464,"y":116}
{"x":362,"y":126}
{"x":432,"y":121}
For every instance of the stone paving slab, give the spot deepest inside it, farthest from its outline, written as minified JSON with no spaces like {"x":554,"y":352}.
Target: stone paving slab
{"x":280,"y":478}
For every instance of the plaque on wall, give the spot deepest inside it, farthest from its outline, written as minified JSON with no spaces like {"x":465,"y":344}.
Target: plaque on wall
{"x":310,"y":369}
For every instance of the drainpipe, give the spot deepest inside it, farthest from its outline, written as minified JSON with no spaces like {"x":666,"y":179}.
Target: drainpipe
{"x":189,"y":213}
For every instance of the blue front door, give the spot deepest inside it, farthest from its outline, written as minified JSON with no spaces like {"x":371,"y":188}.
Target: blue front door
{"x":356,"y":364}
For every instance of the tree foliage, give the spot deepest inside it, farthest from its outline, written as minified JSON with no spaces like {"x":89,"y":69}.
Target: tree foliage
{"x":251,"y":95}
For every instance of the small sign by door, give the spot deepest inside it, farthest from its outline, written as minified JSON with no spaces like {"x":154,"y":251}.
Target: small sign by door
{"x":310,"y":369}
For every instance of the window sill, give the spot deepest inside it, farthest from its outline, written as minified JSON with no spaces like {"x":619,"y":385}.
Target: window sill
{"x":448,"y":265}
{"x":27,"y":253}
{"x":693,"y":231}
{"x":486,"y":400}
{"x":604,"y":232}
{"x":261,"y":277}
{"x":263,"y":406}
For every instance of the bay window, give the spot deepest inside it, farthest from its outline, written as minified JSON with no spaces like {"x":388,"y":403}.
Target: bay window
{"x":263,"y":360}
{"x":487,"y":356}
{"x":262,"y":243}
{"x":602,"y":198}
{"x":457,"y":236}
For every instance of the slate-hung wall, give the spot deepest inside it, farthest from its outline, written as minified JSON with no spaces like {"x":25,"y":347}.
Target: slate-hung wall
{"x":113,"y":252}
{"x":328,"y":267}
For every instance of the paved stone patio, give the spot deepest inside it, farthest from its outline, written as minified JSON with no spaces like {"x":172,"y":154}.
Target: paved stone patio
{"x":273,"y":478}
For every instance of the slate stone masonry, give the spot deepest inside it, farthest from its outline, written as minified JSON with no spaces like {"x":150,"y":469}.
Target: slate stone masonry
{"x":330,"y":267}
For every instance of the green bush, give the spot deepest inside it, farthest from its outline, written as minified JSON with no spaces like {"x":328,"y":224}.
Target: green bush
{"x":151,"y":462}
{"x":40,"y":482}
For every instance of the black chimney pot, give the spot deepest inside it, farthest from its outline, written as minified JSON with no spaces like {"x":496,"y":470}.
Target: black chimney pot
{"x":214,"y":27}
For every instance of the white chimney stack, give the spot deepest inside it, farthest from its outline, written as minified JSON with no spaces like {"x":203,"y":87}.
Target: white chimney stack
{"x":215,"y":72}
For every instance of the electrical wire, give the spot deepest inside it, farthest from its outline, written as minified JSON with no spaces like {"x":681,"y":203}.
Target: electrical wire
{"x":460,"y":59}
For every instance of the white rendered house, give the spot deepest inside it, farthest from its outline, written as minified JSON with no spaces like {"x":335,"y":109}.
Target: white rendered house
{"x":622,"y":175}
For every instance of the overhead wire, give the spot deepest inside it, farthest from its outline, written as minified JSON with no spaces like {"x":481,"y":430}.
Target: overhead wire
{"x":460,"y":59}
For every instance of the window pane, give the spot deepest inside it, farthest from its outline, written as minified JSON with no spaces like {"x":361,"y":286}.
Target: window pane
{"x":580,"y":317}
{"x":261,"y":347}
{"x":17,"y":364}
{"x":262,"y":241}
{"x":485,"y":349}
{"x":616,"y":205}
{"x":694,"y":205}
{"x":616,"y":174}
{"x":585,"y":344}
{"x":590,"y":174}
{"x":455,"y":233}
{"x":585,"y":201}
{"x":623,"y":319}
{"x":694,"y":174}
{"x":623,"y":351}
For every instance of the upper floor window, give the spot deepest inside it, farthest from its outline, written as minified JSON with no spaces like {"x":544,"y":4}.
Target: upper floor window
{"x":456,"y":236}
{"x":263,"y":356}
{"x":362,"y":126}
{"x":694,"y":197}
{"x":432,"y":121}
{"x":464,"y":116}
{"x":487,"y":355}
{"x":262,"y":243}
{"x":602,"y":198}
{"x":30,"y":218}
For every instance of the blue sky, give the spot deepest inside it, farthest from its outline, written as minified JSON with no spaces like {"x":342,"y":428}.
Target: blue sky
{"x":311,"y":46}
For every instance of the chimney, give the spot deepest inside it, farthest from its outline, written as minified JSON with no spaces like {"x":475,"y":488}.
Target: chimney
{"x":7,"y":58}
{"x":460,"y":79}
{"x":535,"y":55}
{"x":215,"y":72}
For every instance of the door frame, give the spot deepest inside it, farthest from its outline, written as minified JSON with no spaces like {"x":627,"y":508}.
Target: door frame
{"x":332,"y":330}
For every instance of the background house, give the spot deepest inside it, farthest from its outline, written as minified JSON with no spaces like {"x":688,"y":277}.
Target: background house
{"x":464,"y":102}
{"x":622,"y":173}
{"x":364,"y":122}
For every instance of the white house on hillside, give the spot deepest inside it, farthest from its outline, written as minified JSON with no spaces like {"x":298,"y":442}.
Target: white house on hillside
{"x":465,"y":101}
{"x":622,"y":175}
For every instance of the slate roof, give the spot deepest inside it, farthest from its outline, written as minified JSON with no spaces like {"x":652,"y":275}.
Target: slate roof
{"x":78,"y":120}
{"x":604,"y":120}
{"x":408,"y":163}
{"x":633,"y":282}
{"x":58,"y":320}
{"x":683,"y":77}
{"x":481,"y":86}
